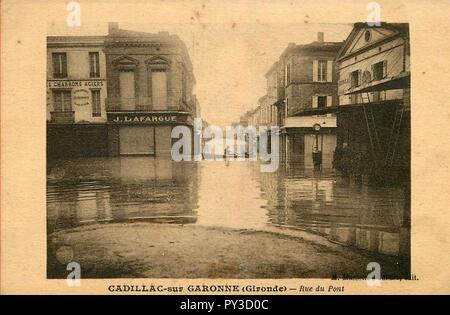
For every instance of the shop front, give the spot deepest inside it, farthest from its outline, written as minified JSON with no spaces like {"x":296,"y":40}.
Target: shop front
{"x":141,"y":133}
{"x":307,"y":138}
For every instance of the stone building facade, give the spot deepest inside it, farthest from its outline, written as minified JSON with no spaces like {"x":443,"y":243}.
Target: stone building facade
{"x":374,"y":99}
{"x":76,"y":79}
{"x":76,"y":93}
{"x":150,"y":83}
{"x":306,"y":101}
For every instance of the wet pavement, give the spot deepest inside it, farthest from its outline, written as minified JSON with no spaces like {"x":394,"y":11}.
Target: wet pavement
{"x":234,"y":195}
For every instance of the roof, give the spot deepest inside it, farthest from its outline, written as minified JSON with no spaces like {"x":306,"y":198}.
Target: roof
{"x":75,"y":41}
{"x":399,"y":28}
{"x":117,"y":36}
{"x":272,"y":69}
{"x":312,"y":47}
{"x":141,"y":36}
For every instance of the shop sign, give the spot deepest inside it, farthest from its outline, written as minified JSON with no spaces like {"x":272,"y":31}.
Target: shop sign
{"x":58,"y":84}
{"x":146,"y":118}
{"x":81,"y":97}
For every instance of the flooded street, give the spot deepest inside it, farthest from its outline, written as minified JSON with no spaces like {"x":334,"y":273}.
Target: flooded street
{"x":237,"y":196}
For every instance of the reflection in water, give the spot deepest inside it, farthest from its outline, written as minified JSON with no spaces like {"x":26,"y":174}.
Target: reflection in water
{"x":235,"y":195}
{"x":367,"y":217}
{"x":121,"y":189}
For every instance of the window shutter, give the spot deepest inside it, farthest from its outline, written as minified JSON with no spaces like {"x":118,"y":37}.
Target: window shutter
{"x":359,"y":77}
{"x":315,"y":70}
{"x":56,"y":70}
{"x":67,"y":101}
{"x":329,"y":71}
{"x":350,"y":81}
{"x":329,"y":100}
{"x":64,"y":65}
{"x":314,"y":101}
{"x":384,"y":68}
{"x":286,"y":108}
{"x":91,"y":64}
{"x":372,"y":71}
{"x":57,"y":101}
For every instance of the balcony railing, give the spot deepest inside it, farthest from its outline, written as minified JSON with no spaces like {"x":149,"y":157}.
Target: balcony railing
{"x":118,"y":104}
{"x":60,"y":117}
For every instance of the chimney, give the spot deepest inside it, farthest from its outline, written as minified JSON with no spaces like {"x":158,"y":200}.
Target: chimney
{"x":320,"y":37}
{"x":112,"y":27}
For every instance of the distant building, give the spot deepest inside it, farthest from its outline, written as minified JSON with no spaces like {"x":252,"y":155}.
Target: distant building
{"x":76,"y":79}
{"x":374,"y":96}
{"x":275,"y":92}
{"x":150,"y":83}
{"x":254,"y":117}
{"x":306,"y":100}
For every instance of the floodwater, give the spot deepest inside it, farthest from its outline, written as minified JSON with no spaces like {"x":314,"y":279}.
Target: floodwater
{"x":235,"y":194}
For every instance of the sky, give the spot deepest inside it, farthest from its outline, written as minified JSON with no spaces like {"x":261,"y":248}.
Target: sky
{"x":229,"y":59}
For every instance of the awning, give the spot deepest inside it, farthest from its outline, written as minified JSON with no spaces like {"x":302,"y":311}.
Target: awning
{"x":400,"y":81}
{"x":309,"y":122}
{"x":317,"y":111}
{"x":395,"y":102}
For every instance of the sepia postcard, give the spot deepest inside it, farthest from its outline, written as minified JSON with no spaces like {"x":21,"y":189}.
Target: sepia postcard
{"x":225,"y":147}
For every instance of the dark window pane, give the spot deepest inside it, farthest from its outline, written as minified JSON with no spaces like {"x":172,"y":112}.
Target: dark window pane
{"x":321,"y":101}
{"x":59,"y":65}
{"x":94,"y":65}
{"x":96,"y":107}
{"x":378,"y":71}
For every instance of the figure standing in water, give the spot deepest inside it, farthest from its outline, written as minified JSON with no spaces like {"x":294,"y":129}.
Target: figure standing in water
{"x":226,"y":154}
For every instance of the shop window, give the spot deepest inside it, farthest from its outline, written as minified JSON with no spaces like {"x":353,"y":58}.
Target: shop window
{"x":59,"y":65}
{"x":62,"y":100}
{"x":96,"y":104}
{"x":94,"y":65}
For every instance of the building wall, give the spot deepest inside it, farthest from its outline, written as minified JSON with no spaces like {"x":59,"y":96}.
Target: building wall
{"x":272,"y":93}
{"x":82,"y":83}
{"x":298,"y":68}
{"x":300,"y":96}
{"x":143,"y":88}
{"x":392,"y":51}
{"x":141,"y":54}
{"x":385,"y":46}
{"x":163,"y":141}
{"x":301,"y":89}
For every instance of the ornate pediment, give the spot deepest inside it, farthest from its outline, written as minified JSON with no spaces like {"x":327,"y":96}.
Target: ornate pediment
{"x":157,"y":62}
{"x":368,"y":36}
{"x":125,"y":63}
{"x":364,"y":37}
